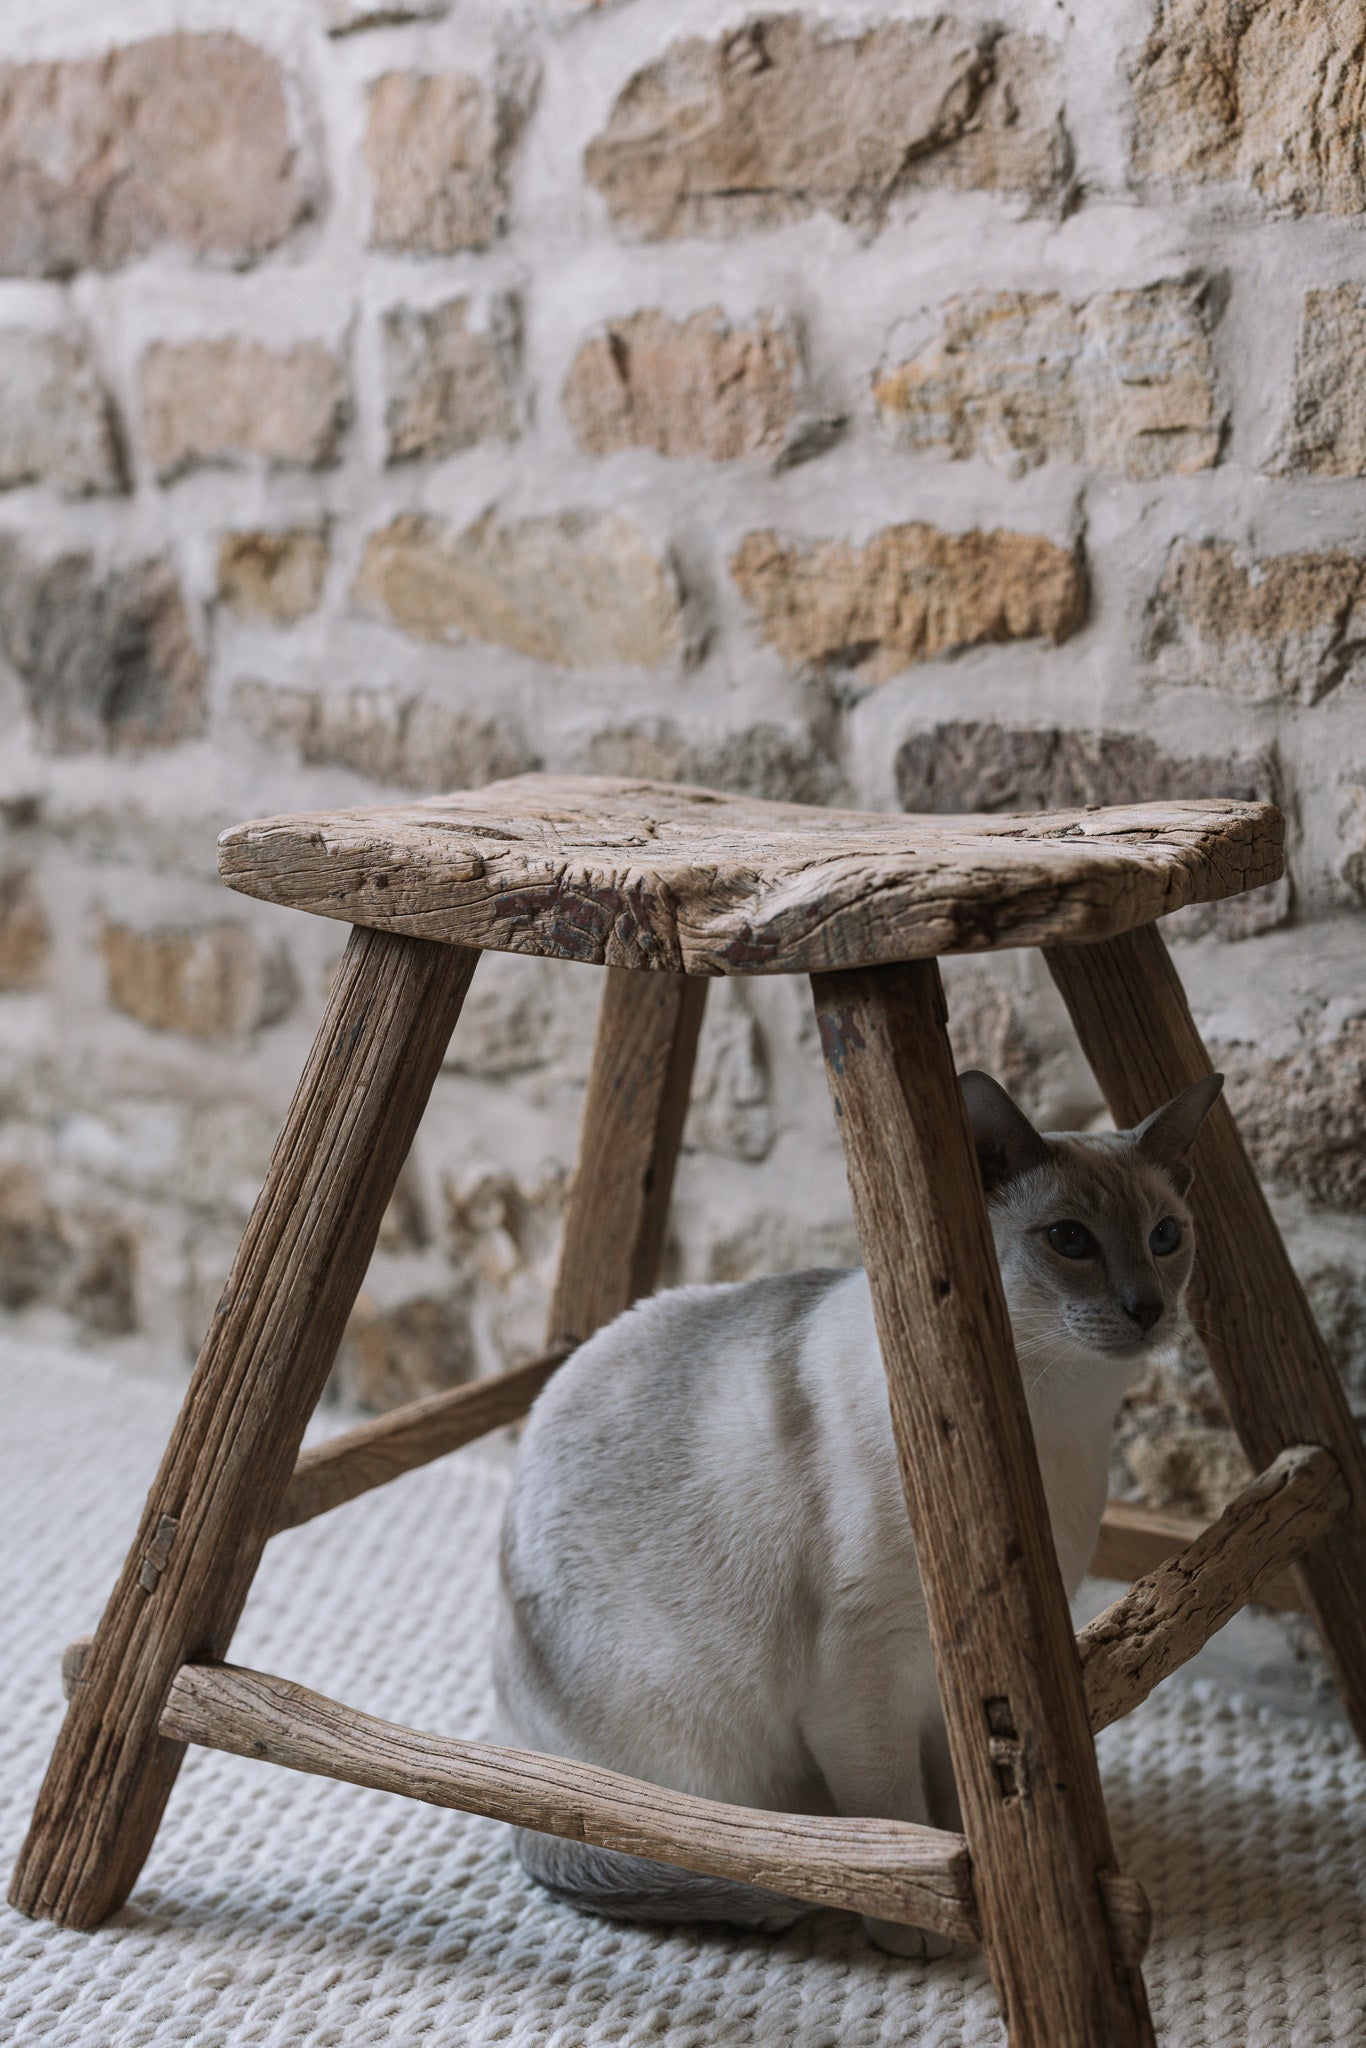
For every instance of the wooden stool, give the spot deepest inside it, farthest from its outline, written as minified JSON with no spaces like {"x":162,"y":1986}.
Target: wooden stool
{"x":685,"y":883}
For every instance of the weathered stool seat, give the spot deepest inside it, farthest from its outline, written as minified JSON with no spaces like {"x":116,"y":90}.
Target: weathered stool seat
{"x":691,"y":883}
{"x":648,"y":874}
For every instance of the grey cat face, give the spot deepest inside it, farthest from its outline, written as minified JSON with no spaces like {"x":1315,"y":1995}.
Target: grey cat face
{"x":1093,"y":1233}
{"x":1098,"y":1242}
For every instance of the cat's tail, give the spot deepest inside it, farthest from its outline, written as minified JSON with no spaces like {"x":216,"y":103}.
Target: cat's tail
{"x":634,"y":1888}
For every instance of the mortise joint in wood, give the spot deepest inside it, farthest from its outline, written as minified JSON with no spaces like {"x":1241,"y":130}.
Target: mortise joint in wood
{"x":157,"y":1555}
{"x":1006,"y":1749}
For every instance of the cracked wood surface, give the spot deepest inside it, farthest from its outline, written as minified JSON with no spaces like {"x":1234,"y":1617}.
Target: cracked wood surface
{"x":893,"y":1869}
{"x":1160,"y":1623}
{"x":663,"y":875}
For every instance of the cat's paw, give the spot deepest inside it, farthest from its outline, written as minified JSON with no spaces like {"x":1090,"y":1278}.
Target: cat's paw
{"x":896,"y":1940}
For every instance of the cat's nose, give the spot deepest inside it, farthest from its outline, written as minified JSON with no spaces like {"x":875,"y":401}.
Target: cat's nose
{"x":1144,"y":1309}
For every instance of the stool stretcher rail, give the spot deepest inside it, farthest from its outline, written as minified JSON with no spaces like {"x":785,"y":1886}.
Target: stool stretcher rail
{"x":919,"y":1876}
{"x":1135,"y":1540}
{"x":1163,"y":1619}
{"x":375,"y":1452}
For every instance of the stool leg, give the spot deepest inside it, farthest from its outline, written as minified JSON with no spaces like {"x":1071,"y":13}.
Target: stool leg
{"x":1266,"y":1351}
{"x":1009,"y":1676}
{"x":632,"y":1123}
{"x":262,"y":1367}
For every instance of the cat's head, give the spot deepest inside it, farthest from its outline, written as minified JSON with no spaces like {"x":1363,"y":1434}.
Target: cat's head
{"x":1093,"y":1232}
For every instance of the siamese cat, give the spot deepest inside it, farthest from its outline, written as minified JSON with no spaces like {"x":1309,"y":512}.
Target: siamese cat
{"x":708,"y":1577}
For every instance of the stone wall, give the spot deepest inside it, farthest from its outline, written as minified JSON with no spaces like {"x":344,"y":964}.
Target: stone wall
{"x":861,"y":404}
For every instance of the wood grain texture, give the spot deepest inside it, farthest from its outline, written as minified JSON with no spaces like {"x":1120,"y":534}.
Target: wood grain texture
{"x":633,"y":1115}
{"x":1135,"y":1540}
{"x":1007,"y":1661}
{"x":661,"y":875}
{"x":357,"y":1460}
{"x":919,"y":1876}
{"x":216,"y":1497}
{"x":1160,"y":1623}
{"x":1248,"y":1307}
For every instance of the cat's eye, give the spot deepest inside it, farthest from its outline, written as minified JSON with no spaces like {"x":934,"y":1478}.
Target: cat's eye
{"x":1072,"y":1240}
{"x":1166,"y":1237}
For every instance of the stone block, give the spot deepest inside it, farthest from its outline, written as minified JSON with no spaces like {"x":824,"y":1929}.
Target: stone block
{"x":412,"y":741}
{"x":578,"y":589}
{"x":1302,"y":1113}
{"x":80,"y":1260}
{"x":392,"y":1355}
{"x":911,"y":593}
{"x":437,"y":147}
{"x":1270,"y":96}
{"x":976,"y":765}
{"x":272,"y":576}
{"x":25,"y":932}
{"x":1276,"y":628}
{"x":1122,"y":381}
{"x":784,"y":116}
{"x":227,"y":400}
{"x":684,"y":387}
{"x":1326,"y":432}
{"x":209,"y":982}
{"x":105,"y":661}
{"x":797,"y":767}
{"x":56,"y":419}
{"x":447,"y":385}
{"x":183,"y":139}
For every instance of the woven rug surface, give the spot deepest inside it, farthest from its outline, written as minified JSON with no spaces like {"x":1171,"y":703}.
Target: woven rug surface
{"x":278,"y":1909}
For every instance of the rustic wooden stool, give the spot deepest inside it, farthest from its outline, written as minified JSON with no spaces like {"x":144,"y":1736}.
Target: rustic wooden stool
{"x":668,"y":886}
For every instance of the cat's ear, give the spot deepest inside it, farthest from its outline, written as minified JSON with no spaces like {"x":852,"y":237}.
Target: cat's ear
{"x":1006,"y":1141}
{"x":1166,"y":1137}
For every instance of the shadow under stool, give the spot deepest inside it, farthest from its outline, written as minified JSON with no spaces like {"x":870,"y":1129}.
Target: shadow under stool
{"x":668,"y":886}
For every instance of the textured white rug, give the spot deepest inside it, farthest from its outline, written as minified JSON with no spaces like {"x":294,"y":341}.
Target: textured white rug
{"x":286,"y":1910}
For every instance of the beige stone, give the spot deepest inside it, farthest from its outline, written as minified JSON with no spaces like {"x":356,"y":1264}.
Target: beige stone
{"x":1303,"y":1113}
{"x":183,"y":139}
{"x":1122,"y":381}
{"x":1269,"y":95}
{"x":213,"y":981}
{"x":437,"y":146}
{"x":105,"y":661}
{"x":909,"y":594}
{"x":684,"y":387}
{"x":56,"y":419}
{"x":1284,"y":628}
{"x":579,"y":589}
{"x":783,"y":117}
{"x":1325,"y":434}
{"x":276,"y":577}
{"x":81,"y":1260}
{"x":448,"y":386}
{"x":391,"y":1355}
{"x":229,"y":399}
{"x":25,"y":932}
{"x":413,"y":741}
